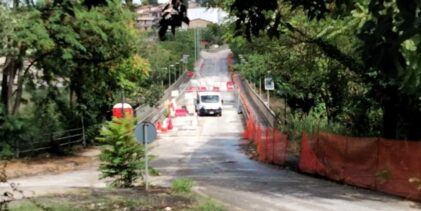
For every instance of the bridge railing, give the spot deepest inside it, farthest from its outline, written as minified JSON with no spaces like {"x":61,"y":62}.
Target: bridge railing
{"x":263,"y":113}
{"x":152,"y":114}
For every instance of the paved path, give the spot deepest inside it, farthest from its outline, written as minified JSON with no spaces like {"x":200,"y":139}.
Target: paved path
{"x":207,"y":150}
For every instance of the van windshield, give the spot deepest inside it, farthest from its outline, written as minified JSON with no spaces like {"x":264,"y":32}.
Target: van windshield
{"x":209,"y":99}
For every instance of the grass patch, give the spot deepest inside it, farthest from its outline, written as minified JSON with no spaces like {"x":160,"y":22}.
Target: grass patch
{"x":183,"y":186}
{"x":209,"y":205}
{"x":107,"y":199}
{"x":180,"y":197}
{"x":27,"y":205}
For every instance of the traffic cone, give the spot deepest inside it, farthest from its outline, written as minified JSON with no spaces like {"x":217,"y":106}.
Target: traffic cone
{"x":163,"y":128}
{"x":170,"y":126}
{"x":158,"y":126}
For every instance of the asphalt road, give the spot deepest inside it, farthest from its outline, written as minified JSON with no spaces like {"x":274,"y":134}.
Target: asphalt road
{"x":207,"y":150}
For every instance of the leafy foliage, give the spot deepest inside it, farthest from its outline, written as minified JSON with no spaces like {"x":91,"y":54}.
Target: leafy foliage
{"x":213,"y":34}
{"x":122,"y":158}
{"x":163,"y":54}
{"x":372,"y":46}
{"x":314,"y":121}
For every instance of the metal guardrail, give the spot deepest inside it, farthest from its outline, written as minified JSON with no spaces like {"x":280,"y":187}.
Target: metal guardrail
{"x":48,"y":141}
{"x":263,"y":113}
{"x":150,"y":114}
{"x":153,"y":114}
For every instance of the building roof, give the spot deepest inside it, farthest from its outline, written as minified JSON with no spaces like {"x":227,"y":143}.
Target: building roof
{"x":146,"y":18}
{"x":214,"y":15}
{"x":148,"y":9}
{"x":200,"y":19}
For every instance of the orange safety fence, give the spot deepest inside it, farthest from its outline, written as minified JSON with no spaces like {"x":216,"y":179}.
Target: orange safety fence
{"x":271,"y":144}
{"x":389,"y":166}
{"x":399,"y":161}
{"x":374,"y":163}
{"x":280,"y":145}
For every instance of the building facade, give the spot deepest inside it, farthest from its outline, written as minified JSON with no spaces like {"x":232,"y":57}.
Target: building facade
{"x":148,"y":16}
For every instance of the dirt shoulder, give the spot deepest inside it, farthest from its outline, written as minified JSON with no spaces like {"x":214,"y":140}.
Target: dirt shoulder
{"x":53,"y":164}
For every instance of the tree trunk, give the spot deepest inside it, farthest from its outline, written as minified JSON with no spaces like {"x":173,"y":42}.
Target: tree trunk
{"x":390,"y":113}
{"x":415,"y":125}
{"x":4,"y":91}
{"x":71,"y":98}
{"x":9,"y":74}
{"x":411,"y":117}
{"x":19,"y":89}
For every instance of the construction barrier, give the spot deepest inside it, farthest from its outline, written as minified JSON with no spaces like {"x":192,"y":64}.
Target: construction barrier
{"x":379,"y":164}
{"x":181,"y":112}
{"x":270,"y":142}
{"x":390,"y":166}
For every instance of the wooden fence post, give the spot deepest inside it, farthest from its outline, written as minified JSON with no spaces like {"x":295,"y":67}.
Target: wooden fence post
{"x":83,"y":132}
{"x":16,"y":148}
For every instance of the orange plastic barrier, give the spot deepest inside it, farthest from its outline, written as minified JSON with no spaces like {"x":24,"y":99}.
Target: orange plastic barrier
{"x":375,"y":163}
{"x":399,"y":161}
{"x":181,"y":112}
{"x":271,"y":144}
{"x":270,"y":140}
{"x":279,"y":149}
{"x":360,"y":162}
{"x":309,"y":162}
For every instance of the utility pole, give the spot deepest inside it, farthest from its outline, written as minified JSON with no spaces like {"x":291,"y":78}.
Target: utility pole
{"x":170,"y":72}
{"x":195,"y":44}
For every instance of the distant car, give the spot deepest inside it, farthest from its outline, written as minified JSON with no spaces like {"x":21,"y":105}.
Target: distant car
{"x":209,"y":103}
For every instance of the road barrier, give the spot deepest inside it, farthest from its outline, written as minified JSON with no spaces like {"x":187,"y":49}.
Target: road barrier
{"x":153,"y":114}
{"x":270,"y":142}
{"x":389,"y":166}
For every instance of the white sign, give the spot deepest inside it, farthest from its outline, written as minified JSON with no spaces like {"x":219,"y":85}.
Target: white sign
{"x":174,"y":93}
{"x":269,"y":84}
{"x":188,"y":96}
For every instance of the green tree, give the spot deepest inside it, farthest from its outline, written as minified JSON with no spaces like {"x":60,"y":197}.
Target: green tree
{"x":23,"y":37}
{"x":122,"y":158}
{"x":88,"y":46}
{"x":71,"y":56}
{"x":384,"y":59}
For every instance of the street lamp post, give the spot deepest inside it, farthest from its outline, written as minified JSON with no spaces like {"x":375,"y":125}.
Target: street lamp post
{"x":177,"y":68}
{"x":181,"y":66}
{"x":260,"y":85}
{"x":185,"y":61}
{"x":164,"y":70}
{"x":169,"y":72}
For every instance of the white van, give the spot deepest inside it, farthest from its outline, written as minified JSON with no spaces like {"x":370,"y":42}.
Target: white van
{"x":209,"y":103}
